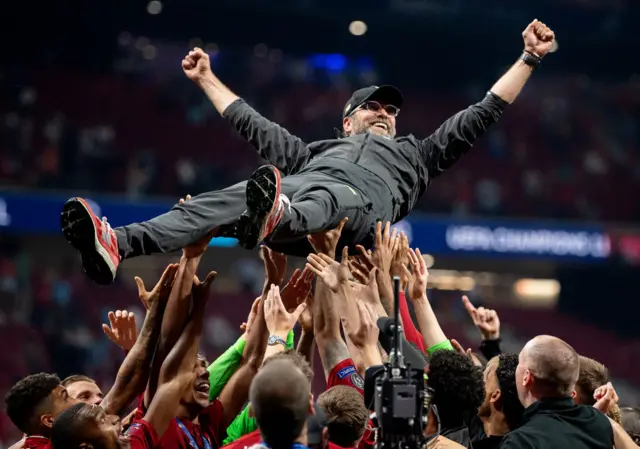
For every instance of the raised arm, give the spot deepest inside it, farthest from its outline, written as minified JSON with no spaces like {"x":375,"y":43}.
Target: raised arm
{"x":177,"y":310}
{"x":273,"y":142}
{"x":133,"y":374}
{"x":176,"y":374}
{"x":455,"y":136}
{"x":434,"y":337}
{"x":331,"y":288}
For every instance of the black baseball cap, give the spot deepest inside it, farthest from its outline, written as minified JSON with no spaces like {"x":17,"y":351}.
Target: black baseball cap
{"x":384,"y":94}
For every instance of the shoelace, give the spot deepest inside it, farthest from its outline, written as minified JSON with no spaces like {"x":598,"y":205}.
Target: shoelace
{"x":285,"y":201}
{"x":106,"y":231}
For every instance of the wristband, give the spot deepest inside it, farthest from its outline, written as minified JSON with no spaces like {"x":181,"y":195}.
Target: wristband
{"x":531,"y":59}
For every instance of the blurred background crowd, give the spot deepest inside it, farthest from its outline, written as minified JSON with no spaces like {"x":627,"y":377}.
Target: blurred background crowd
{"x":93,"y":101}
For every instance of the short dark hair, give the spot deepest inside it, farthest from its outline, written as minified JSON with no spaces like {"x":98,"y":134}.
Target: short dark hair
{"x":26,"y":396}
{"x":506,"y":375}
{"x":346,"y":415}
{"x":76,"y":378}
{"x":296,"y":358}
{"x":457,"y":384}
{"x":279,"y":397}
{"x":67,"y":428}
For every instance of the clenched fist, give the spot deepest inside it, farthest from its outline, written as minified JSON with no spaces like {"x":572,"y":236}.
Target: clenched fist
{"x":196,"y":65}
{"x":538,"y":38}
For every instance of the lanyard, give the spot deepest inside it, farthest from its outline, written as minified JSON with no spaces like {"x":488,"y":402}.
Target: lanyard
{"x":192,"y":440}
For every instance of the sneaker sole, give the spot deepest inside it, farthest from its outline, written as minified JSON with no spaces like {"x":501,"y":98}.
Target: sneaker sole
{"x":79,"y":230}
{"x":263,"y":189}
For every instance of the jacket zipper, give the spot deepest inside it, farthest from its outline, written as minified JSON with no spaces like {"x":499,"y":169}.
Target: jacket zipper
{"x":366,"y":137}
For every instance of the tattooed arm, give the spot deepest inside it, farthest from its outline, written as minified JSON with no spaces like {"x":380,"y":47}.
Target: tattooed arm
{"x":331,"y":346}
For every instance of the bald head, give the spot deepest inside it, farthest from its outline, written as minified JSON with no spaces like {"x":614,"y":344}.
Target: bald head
{"x":553,"y":364}
{"x":280,"y":396}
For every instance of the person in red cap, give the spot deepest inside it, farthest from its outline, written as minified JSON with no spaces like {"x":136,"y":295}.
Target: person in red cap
{"x":367,"y":174}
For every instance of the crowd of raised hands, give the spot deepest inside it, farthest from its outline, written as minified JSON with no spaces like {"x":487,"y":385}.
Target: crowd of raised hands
{"x":336,"y":301}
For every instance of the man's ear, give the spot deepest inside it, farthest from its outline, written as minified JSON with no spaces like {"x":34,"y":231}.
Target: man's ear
{"x":347,"y":125}
{"x":496,"y":396}
{"x":312,"y":408}
{"x":47,"y":420}
{"x":325,"y":437}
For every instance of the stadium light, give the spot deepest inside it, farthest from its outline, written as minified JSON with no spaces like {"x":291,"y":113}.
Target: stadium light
{"x":357,"y":28}
{"x":154,"y":7}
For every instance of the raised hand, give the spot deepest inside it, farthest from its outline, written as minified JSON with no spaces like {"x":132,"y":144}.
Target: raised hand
{"x":333,"y":274}
{"x":365,"y":333}
{"x":367,"y":291}
{"x":196,"y":65}
{"x":123,"y":330}
{"x":200,"y":290}
{"x":359,"y":270}
{"x":400,"y":260}
{"x":198,"y":248}
{"x":162,"y":288}
{"x":297,"y":289}
{"x":605,"y":397}
{"x":419,"y":275}
{"x":306,"y":317}
{"x":246,"y":326}
{"x":279,"y":321}
{"x":326,"y":241}
{"x":385,"y":249}
{"x":538,"y":38}
{"x":486,"y":320}
{"x":469,"y":353}
{"x":275,"y":267}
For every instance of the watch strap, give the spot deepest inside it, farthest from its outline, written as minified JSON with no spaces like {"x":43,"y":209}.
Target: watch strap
{"x":276,"y":340}
{"x":531,"y":59}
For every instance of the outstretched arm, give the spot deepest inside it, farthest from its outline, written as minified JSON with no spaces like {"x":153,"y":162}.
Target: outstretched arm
{"x":274,"y":143}
{"x":455,"y":136}
{"x":134,"y":372}
{"x":176,"y":373}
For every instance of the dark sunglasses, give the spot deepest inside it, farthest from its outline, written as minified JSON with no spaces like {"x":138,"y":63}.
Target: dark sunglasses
{"x":374,"y":106}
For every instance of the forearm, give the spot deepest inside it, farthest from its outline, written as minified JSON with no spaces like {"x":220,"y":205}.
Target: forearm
{"x":133,"y":374}
{"x":370,"y":356}
{"x":173,"y":320}
{"x":511,"y":83}
{"x":411,"y":333}
{"x":385,"y":289}
{"x":326,"y":316}
{"x":429,"y":325}
{"x":177,"y":310}
{"x":219,"y":94}
{"x":306,"y":345}
{"x":254,"y":350}
{"x":221,"y":370}
{"x":182,"y":357}
{"x":332,"y":350}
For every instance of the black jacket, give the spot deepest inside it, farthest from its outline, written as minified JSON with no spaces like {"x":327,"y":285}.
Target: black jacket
{"x":560,"y":424}
{"x":392,"y":173}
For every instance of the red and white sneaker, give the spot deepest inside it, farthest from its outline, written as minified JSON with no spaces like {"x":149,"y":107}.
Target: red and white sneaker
{"x":265,"y":207}
{"x":93,"y":238}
